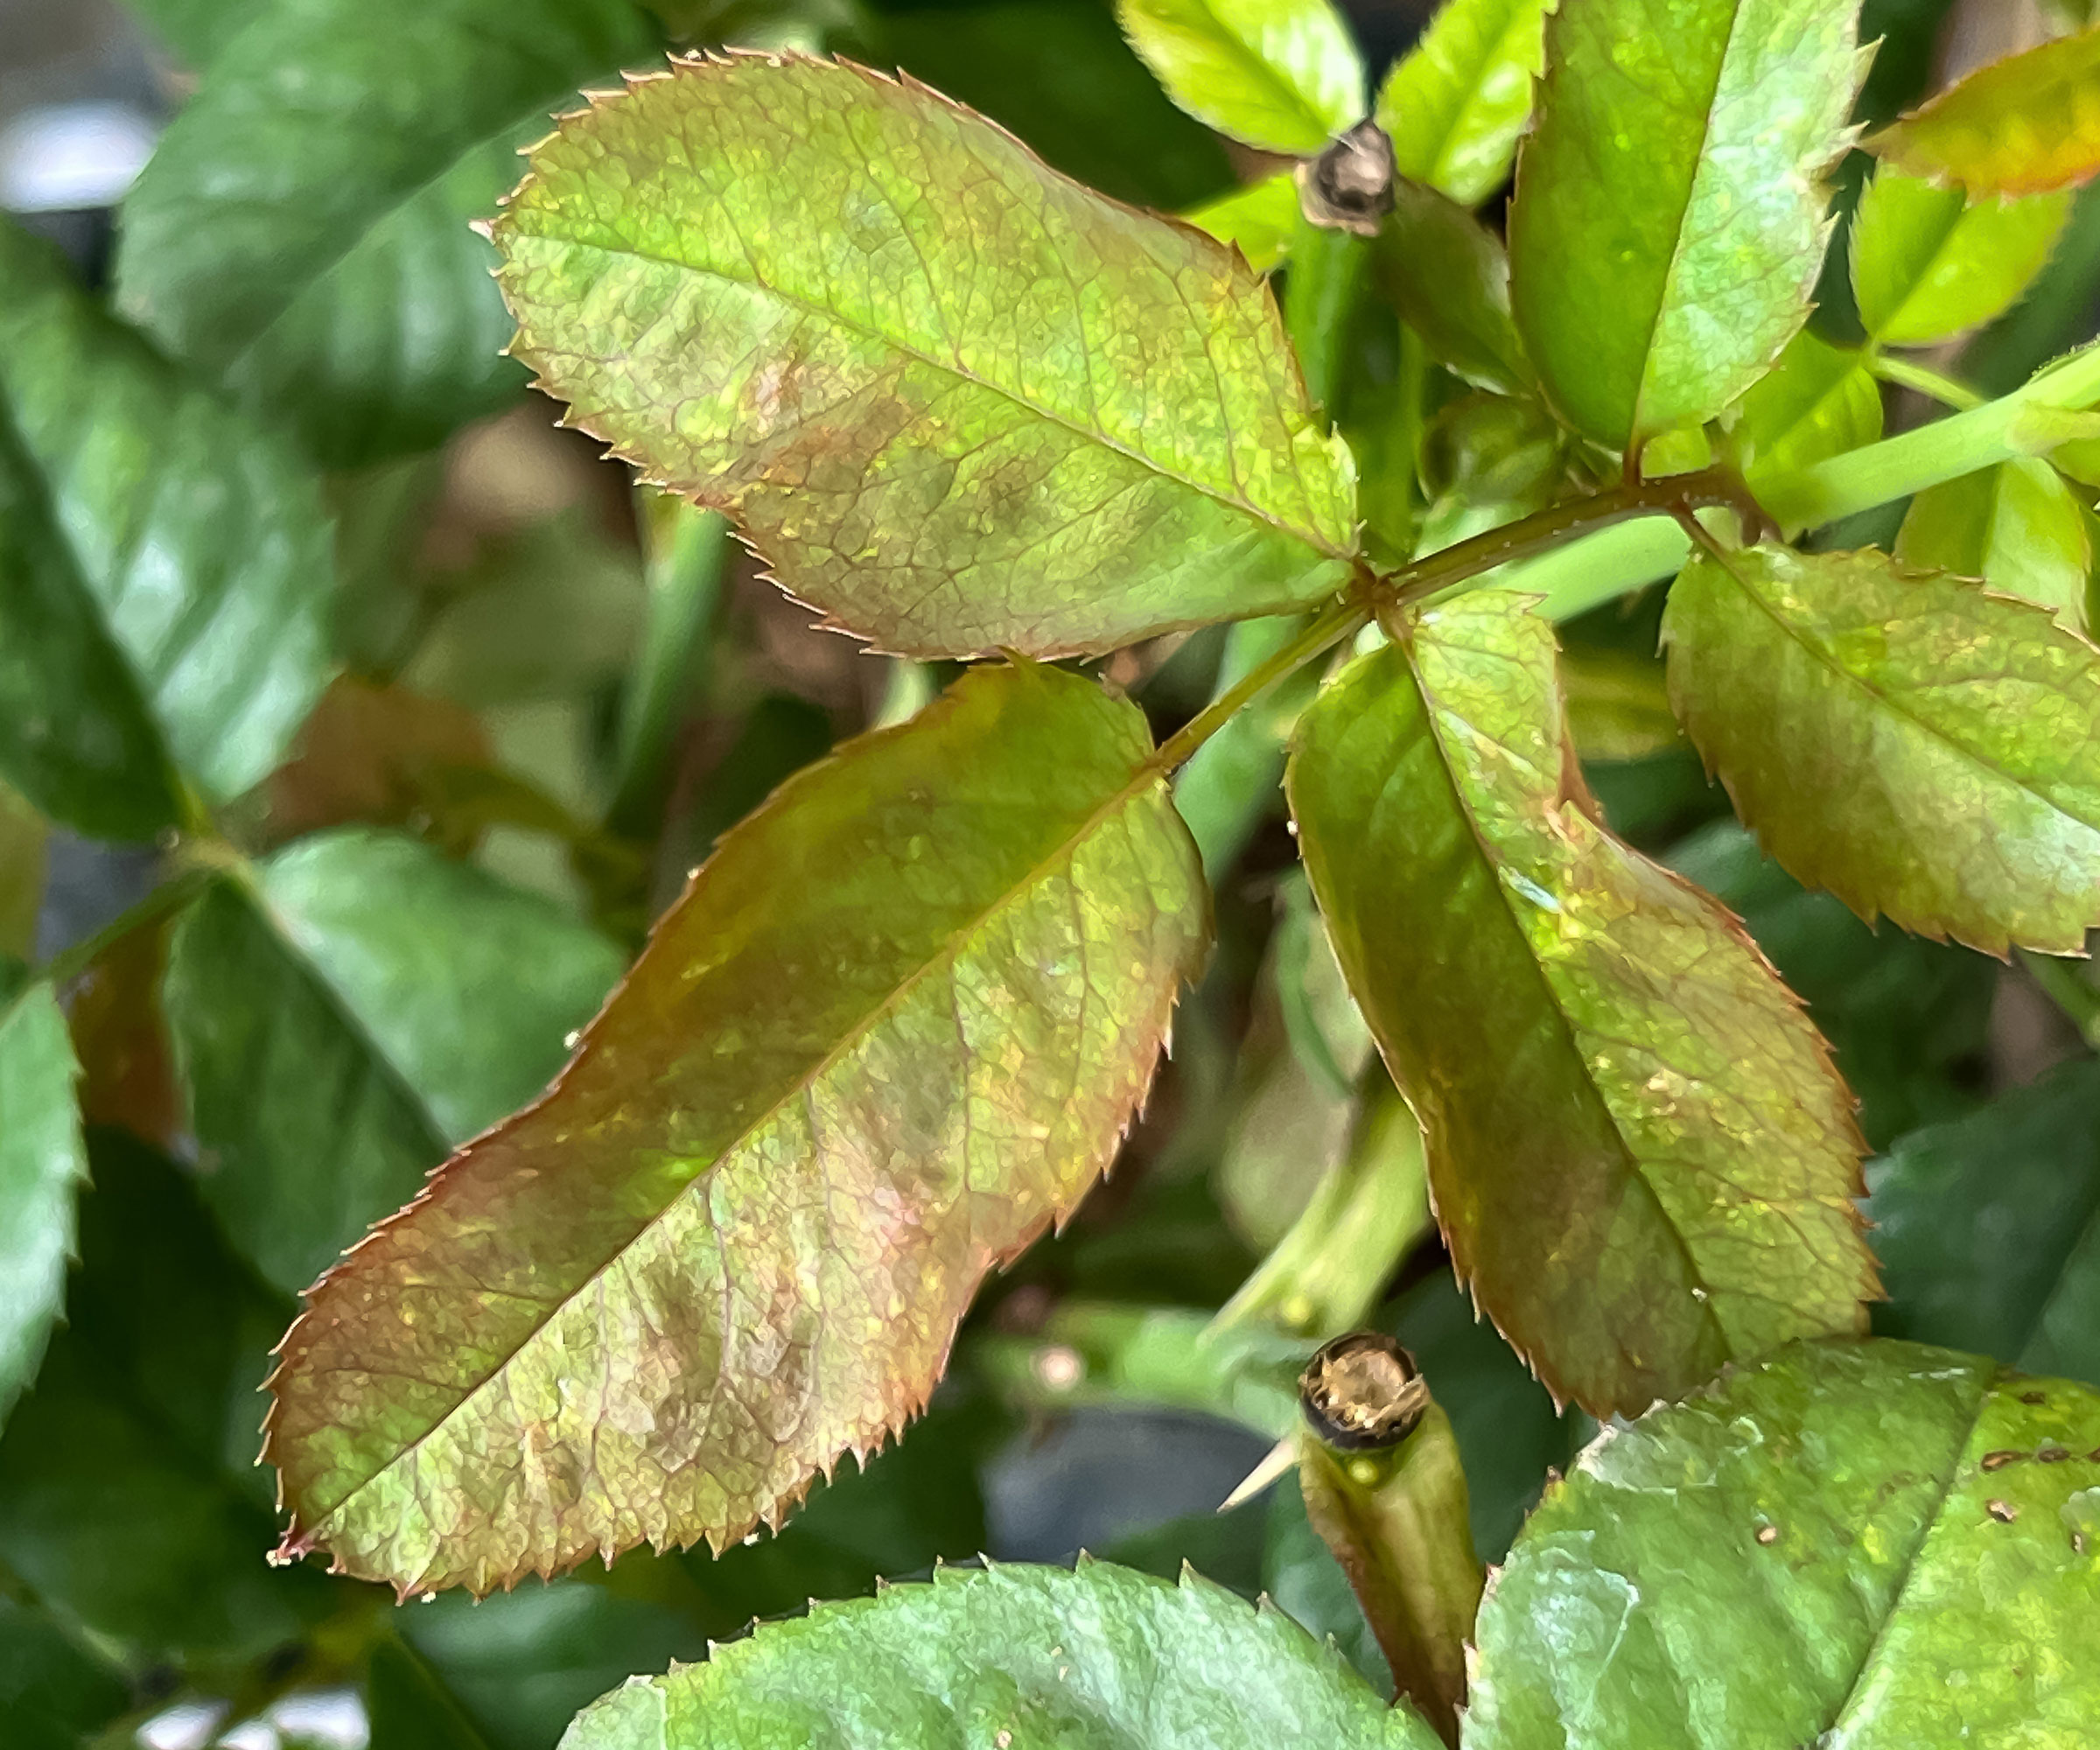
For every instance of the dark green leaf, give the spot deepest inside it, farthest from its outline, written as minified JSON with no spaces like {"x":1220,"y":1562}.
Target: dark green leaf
{"x":1455,"y":106}
{"x":1280,"y":74}
{"x":197,"y":30}
{"x":2016,"y":527}
{"x":1084,"y":429}
{"x":1850,"y":1544}
{"x":53,"y":1693}
{"x":1669,"y":211}
{"x":893,"y":1029}
{"x":42,"y":1165}
{"x":301,"y":229}
{"x":1928,"y":263}
{"x":1916,"y":746}
{"x":24,"y":857}
{"x":1099,"y":1658}
{"x":1447,"y":275}
{"x":408,"y":1708}
{"x":164,"y":569}
{"x":1990,"y":1229}
{"x":1234,"y":782}
{"x":2023,"y":125}
{"x":1641,"y":1156}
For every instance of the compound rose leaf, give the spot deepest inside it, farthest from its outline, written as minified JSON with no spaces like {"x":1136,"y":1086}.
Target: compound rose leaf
{"x":1640,"y":1154}
{"x":894,"y":1028}
{"x":1911,"y":742}
{"x":960,"y":402}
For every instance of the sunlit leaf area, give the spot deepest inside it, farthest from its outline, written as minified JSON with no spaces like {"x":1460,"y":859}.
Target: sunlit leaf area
{"x":1049,"y":874}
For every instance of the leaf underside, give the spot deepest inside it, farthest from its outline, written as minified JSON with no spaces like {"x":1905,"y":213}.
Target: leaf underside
{"x":1609,"y":1074}
{"x":958,"y":402}
{"x":894,"y":1028}
{"x":1922,"y":748}
{"x":1669,"y":214}
{"x":1097,"y":1659}
{"x":1864,"y":1546}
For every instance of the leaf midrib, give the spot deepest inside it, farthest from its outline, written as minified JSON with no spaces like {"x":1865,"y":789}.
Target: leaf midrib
{"x":1146,"y":773}
{"x":954,"y":366}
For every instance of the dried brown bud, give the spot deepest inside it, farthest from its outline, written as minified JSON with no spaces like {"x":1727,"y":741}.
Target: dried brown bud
{"x":1349,"y":186}
{"x":1362,"y":1392}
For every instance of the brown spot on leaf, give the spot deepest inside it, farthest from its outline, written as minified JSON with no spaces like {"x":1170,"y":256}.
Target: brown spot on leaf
{"x":2053,"y":1455}
{"x":1998,"y":1461}
{"x":1767,"y":1534}
{"x":2034,"y":1397}
{"x":2003,"y":1511}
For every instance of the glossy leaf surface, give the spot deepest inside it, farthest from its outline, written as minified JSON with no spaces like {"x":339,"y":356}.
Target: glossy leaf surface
{"x":1281,"y":74}
{"x":1990,"y":1228}
{"x":1455,"y":105}
{"x":957,"y":402}
{"x":1929,"y":263}
{"x":893,"y":1029}
{"x":1855,"y":1545}
{"x":42,"y":1165}
{"x":2023,"y":125}
{"x":1921,"y":748}
{"x":164,"y":569}
{"x":1447,"y":275}
{"x":1818,"y":401}
{"x":1641,"y":1156}
{"x":2016,"y":527}
{"x":1669,"y":211}
{"x":302,"y":229}
{"x":1095,"y":1659}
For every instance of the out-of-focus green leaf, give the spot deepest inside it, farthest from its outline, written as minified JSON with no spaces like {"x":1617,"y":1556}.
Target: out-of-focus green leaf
{"x":1045,"y":422}
{"x":1456,"y":104}
{"x":408,"y":1708}
{"x":1909,"y":1020}
{"x":1818,"y":402}
{"x":1929,"y":263}
{"x":164,"y":569}
{"x":197,"y":30}
{"x":2023,"y":125}
{"x":43,"y":1164}
{"x":53,"y":1694}
{"x":1990,"y":1229}
{"x":2053,"y":318}
{"x":1259,"y":220}
{"x":1096,"y":1658}
{"x":24,"y":858}
{"x":301,"y":230}
{"x":1919,"y":747}
{"x":2016,"y":527}
{"x":1848,"y":1544}
{"x":1281,"y":74}
{"x":1670,"y":210}
{"x":1447,"y":275}
{"x":129,"y":1495}
{"x":1486,"y":460}
{"x":1060,"y":75}
{"x":1618,"y":704}
{"x":893,"y":1029}
{"x":1232,"y":784}
{"x":1641,"y":1156}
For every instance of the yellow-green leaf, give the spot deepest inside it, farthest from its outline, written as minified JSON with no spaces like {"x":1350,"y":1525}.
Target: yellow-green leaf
{"x":1818,"y":402}
{"x":894,"y":1028}
{"x":2016,"y":527}
{"x":1456,"y":104}
{"x":1917,"y":746}
{"x":1281,"y":74}
{"x":1258,"y":219}
{"x":1670,"y":215}
{"x":2023,"y":125}
{"x":959,"y":402}
{"x":1929,"y":263}
{"x":1641,"y":1156}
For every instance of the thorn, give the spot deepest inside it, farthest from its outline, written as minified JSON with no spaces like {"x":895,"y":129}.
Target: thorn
{"x":1281,"y":1457}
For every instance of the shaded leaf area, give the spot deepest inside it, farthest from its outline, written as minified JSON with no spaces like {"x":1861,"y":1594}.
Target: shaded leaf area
{"x":42,"y":1165}
{"x":1818,"y":401}
{"x":164,"y":569}
{"x":2016,"y":527}
{"x":345,"y":1010}
{"x":128,"y":1494}
{"x":1281,"y":74}
{"x":55,"y":1694}
{"x":957,"y":402}
{"x":2023,"y":125}
{"x":1456,"y":104}
{"x":1099,"y":1656}
{"x":1929,"y":264}
{"x":1059,"y":73}
{"x":301,"y":230}
{"x":24,"y":861}
{"x":1908,"y":1019}
{"x":1989,"y":1227}
{"x":407,"y":1707}
{"x":1669,"y":209}
{"x":1447,"y":275}
{"x":893,"y":1029}
{"x":1610,"y":1076}
{"x":1914,"y":744}
{"x":197,"y":30}
{"x":1900,"y":1564}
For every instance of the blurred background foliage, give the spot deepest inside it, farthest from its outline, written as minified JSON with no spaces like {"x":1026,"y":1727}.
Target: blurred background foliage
{"x":556,"y":692}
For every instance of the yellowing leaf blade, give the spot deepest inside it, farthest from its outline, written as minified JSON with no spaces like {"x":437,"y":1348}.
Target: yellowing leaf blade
{"x":895,"y":1027}
{"x":2023,"y":125}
